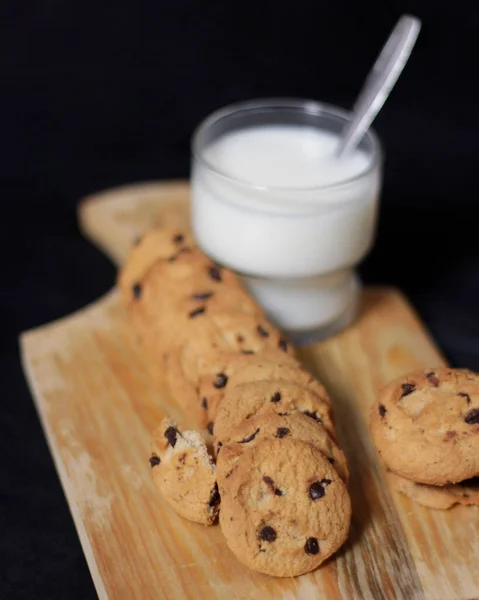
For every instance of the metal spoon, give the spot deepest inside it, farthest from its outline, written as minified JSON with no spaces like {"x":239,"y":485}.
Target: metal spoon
{"x":380,"y":81}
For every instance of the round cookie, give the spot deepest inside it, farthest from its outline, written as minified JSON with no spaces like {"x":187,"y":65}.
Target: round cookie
{"x":258,"y":397}
{"x":184,"y":473}
{"x":212,"y":387}
{"x":439,"y":497}
{"x":253,"y":431}
{"x":154,"y":244}
{"x":285,"y":509}
{"x":426,"y":425}
{"x":261,"y":369}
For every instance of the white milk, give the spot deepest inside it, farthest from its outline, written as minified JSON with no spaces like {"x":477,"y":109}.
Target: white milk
{"x":273,"y":203}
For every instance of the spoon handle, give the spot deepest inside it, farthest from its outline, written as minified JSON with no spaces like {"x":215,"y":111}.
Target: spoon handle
{"x":380,"y":81}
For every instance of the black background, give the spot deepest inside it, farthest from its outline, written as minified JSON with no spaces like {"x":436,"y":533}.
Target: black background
{"x":95,"y":94}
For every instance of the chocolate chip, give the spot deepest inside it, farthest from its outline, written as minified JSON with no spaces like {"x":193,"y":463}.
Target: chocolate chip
{"x":472,"y":417}
{"x":136,"y":289}
{"x":283,"y":344}
{"x":170,"y":435}
{"x":198,"y":311}
{"x":407,"y":388}
{"x":311,"y":547}
{"x":270,"y":483}
{"x":215,"y":272}
{"x":218,"y":448}
{"x":276,"y":397}
{"x":433,"y":380}
{"x":262,"y":331}
{"x":330,"y":459}
{"x":220,"y":381}
{"x":316,"y":489}
{"x":178,"y":238}
{"x":247,"y":351}
{"x":249,"y":438}
{"x":154,"y":461}
{"x":281,"y":432}
{"x":268,"y":534}
{"x":466,"y":396}
{"x":313,"y":415}
{"x":382,"y":410}
{"x":204,"y":403}
{"x":202,"y":295}
{"x":210,"y":427}
{"x":215,"y":497}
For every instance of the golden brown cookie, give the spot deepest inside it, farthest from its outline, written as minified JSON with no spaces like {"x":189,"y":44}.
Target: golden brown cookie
{"x":154,"y":244}
{"x":295,"y":425}
{"x":426,"y":425}
{"x":258,"y":397}
{"x":439,"y":497}
{"x":261,"y":369}
{"x":285,"y":509}
{"x":230,"y":372}
{"x":184,"y":473}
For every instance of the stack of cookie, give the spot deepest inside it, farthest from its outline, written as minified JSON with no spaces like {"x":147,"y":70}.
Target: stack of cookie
{"x":191,"y":316}
{"x":280,"y":475}
{"x":426,"y":429}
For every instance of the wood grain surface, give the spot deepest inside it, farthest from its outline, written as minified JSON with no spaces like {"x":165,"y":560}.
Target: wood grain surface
{"x":98,"y":403}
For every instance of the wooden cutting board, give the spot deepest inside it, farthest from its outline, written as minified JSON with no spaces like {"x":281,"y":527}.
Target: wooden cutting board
{"x":98,"y":406}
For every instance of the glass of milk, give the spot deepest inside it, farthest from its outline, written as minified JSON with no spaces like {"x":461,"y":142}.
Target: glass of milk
{"x":272,"y":202}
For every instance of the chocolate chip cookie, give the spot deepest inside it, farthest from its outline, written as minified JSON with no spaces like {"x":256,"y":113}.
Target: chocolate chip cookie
{"x":285,"y":509}
{"x":271,"y":425}
{"x":154,"y":244}
{"x":235,"y":368}
{"x":439,"y":497}
{"x":426,"y":426}
{"x":184,"y":473}
{"x":258,"y":397}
